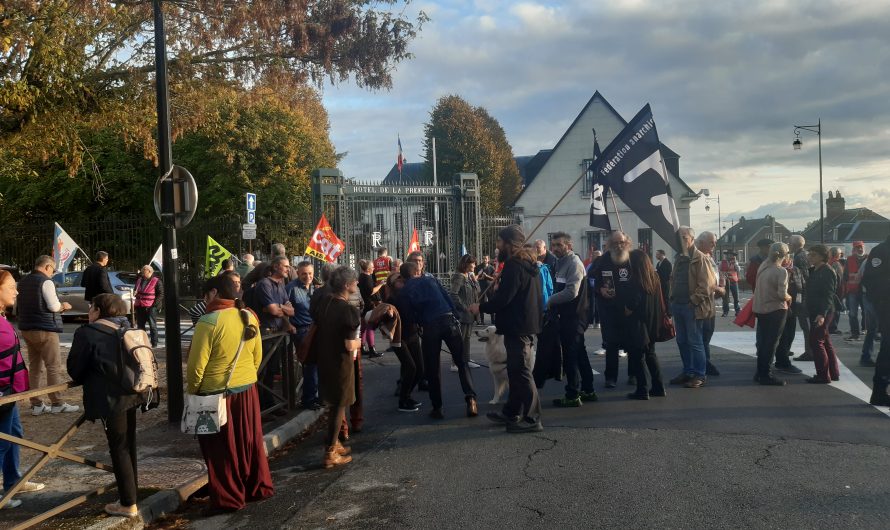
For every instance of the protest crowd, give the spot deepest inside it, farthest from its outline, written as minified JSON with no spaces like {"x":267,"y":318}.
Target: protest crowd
{"x":539,"y":300}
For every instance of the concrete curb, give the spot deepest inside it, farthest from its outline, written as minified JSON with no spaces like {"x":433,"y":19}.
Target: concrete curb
{"x":170,"y":500}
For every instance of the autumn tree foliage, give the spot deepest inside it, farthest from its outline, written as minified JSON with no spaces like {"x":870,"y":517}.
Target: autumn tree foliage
{"x":470,"y":140}
{"x":77,"y":88}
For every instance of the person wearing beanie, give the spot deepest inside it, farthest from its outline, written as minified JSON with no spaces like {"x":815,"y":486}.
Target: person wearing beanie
{"x":821,"y":306}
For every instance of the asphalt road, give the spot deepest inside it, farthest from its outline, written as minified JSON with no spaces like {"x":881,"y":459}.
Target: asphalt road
{"x":729,"y":455}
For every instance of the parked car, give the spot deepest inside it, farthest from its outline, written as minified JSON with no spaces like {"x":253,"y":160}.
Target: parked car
{"x":16,"y":274}
{"x":69,"y":289}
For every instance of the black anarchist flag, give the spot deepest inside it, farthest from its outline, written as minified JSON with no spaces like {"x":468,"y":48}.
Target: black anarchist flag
{"x":599,"y":215}
{"x":632,"y":167}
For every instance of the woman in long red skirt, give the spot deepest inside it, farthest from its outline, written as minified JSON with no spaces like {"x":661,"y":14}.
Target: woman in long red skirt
{"x":237,"y":466}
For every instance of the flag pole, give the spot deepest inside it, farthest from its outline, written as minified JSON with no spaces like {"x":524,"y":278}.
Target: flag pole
{"x":674,"y":215}
{"x":615,"y":207}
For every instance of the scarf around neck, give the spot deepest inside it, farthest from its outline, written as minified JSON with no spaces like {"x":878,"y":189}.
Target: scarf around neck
{"x":220,"y":303}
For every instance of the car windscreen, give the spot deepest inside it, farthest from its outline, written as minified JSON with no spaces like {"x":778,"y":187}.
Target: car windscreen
{"x":67,"y":279}
{"x":128,"y":278}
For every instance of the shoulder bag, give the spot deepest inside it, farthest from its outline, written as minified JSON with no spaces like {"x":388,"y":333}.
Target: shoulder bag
{"x":206,"y":414}
{"x":666,"y":329}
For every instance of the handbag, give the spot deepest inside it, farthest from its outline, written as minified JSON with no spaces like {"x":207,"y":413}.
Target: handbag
{"x":306,"y":351}
{"x":206,"y":414}
{"x":746,"y":316}
{"x":305,"y":348}
{"x":666,"y":329}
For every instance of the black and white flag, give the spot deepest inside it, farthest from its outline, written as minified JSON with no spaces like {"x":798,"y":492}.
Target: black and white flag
{"x":632,"y":167}
{"x":599,"y":215}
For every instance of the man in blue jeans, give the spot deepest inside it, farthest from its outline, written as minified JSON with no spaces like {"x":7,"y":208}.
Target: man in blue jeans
{"x":706,"y":242}
{"x":692,"y":286}
{"x":868,"y":345}
{"x":300,"y":292}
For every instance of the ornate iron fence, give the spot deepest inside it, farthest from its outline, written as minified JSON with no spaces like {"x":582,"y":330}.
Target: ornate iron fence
{"x":131,"y":243}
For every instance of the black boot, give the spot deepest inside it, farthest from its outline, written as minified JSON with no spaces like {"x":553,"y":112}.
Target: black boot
{"x":641,"y":394}
{"x":879,"y":395}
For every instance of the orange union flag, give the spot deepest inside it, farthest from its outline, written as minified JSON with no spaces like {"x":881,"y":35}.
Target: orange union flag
{"x":324,"y":243}
{"x":414,"y":246}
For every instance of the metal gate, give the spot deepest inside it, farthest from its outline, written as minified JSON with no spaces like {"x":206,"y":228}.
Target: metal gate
{"x":367,"y":216}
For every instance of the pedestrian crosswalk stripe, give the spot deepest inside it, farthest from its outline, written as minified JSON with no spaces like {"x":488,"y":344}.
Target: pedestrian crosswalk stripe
{"x":744,"y":342}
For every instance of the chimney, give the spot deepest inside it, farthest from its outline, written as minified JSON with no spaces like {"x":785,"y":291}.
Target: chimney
{"x":834,"y":206}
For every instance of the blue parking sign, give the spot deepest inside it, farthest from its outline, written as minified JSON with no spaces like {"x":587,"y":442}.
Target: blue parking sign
{"x":251,"y":218}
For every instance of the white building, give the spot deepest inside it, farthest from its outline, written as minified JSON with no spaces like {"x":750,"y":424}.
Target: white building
{"x":548,"y":174}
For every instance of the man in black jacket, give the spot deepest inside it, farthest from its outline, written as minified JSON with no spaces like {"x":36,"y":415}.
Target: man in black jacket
{"x":517,"y":306}
{"x":95,"y":278}
{"x":876,"y":283}
{"x":612,"y":275}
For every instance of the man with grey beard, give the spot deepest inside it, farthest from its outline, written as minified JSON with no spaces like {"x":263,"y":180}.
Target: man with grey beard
{"x":611,"y":274}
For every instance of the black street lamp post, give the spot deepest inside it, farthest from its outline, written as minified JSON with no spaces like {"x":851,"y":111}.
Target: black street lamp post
{"x":797,"y":144}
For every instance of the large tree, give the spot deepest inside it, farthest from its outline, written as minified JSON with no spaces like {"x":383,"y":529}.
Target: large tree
{"x":262,"y":140}
{"x":73,"y":71}
{"x":470,"y":140}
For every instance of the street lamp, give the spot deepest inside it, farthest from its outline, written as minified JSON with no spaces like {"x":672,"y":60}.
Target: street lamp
{"x":797,"y":144}
{"x":719,"y":218}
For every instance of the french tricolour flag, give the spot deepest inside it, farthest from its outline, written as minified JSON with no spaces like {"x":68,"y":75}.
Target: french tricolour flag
{"x":400,"y":160}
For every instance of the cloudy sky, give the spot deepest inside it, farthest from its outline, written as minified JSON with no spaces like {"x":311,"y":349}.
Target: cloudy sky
{"x":727,"y":82}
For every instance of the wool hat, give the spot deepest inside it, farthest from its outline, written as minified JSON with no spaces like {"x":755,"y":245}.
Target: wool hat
{"x":512,"y":235}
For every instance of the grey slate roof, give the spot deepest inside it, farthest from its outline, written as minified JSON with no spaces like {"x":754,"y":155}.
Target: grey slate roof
{"x":854,"y":224}
{"x":746,"y":229}
{"x":412,"y":173}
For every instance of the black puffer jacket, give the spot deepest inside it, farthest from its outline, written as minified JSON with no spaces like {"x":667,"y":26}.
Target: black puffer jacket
{"x":93,"y":362}
{"x":517,"y":301}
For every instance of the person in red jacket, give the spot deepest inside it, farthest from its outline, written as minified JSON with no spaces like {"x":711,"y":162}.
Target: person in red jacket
{"x":852,"y":289}
{"x":729,"y":269}
{"x":754,"y":264}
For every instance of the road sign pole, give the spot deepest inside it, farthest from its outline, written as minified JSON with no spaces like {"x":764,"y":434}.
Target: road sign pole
{"x":171,"y":293}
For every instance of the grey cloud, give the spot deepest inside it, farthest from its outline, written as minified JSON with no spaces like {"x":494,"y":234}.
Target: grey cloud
{"x":726,"y":80}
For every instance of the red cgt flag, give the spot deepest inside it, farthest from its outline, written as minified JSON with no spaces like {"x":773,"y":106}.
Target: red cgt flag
{"x":324,"y":243}
{"x":414,"y":246}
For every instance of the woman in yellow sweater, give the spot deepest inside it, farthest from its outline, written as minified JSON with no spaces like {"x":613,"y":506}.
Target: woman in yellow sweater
{"x":237,"y":466}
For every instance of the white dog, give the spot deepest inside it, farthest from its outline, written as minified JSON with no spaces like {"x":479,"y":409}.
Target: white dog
{"x":496,"y":355}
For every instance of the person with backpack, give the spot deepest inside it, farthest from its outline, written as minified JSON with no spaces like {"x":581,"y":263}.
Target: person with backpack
{"x":94,"y":362}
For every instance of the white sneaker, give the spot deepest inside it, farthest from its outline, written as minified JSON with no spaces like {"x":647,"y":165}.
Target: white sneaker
{"x":37,"y":410}
{"x":29,"y":486}
{"x":453,"y":367}
{"x":601,"y":351}
{"x":622,"y":353}
{"x":13,"y":503}
{"x":473,"y":364}
{"x":64,"y":407}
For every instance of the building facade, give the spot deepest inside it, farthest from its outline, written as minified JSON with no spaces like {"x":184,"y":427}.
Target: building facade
{"x":550,"y":172}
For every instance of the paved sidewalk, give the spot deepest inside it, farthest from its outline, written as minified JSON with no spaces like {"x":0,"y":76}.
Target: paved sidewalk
{"x":170,"y":466}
